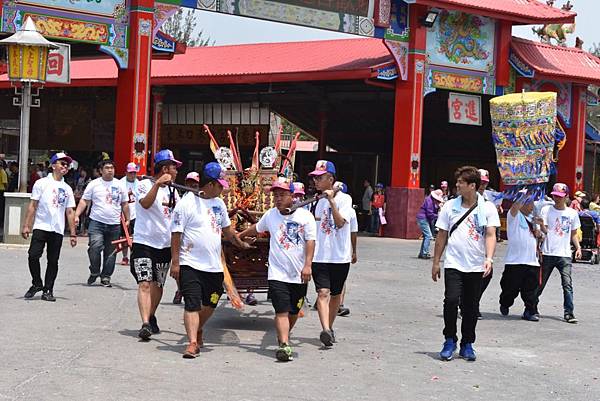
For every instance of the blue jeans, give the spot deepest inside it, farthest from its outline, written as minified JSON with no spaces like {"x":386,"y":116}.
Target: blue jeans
{"x":101,"y":235}
{"x":427,"y":236}
{"x":563,"y":265}
{"x":375,"y":221}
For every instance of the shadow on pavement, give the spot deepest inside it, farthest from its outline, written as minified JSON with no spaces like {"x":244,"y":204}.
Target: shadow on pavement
{"x":432,"y":355}
{"x":95,"y":285}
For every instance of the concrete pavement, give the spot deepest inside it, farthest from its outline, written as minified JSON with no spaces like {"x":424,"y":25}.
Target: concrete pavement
{"x":84,"y":346}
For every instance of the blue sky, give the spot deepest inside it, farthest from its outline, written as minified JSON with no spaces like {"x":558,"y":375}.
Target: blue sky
{"x":227,"y":29}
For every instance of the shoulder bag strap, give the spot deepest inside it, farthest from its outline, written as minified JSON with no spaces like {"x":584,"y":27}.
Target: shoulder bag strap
{"x":463,"y":217}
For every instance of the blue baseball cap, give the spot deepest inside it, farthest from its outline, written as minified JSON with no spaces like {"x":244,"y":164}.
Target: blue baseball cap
{"x":214,"y":172}
{"x":322,"y":167}
{"x":166,"y":154}
{"x":60,"y":156}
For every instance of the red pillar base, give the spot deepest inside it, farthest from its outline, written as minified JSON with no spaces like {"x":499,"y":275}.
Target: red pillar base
{"x":402,"y":205}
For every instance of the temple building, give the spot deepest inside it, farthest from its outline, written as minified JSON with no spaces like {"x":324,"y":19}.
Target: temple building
{"x":407,"y":105}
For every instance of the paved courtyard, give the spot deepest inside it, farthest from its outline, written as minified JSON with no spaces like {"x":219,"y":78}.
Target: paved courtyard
{"x":84,"y":346}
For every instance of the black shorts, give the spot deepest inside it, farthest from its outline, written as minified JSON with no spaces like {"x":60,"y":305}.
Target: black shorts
{"x":131,"y":227}
{"x":149,"y":264}
{"x":330,"y":275}
{"x":199,"y":288}
{"x":287,"y":297}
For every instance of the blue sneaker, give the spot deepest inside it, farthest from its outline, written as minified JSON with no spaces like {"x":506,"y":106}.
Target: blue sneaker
{"x":448,"y":349}
{"x":467,"y":352}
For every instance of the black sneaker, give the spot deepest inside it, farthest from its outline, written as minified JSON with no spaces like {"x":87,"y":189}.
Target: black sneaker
{"x":570,"y":318}
{"x":532,"y":317}
{"x":479,"y":316}
{"x":145,"y":332}
{"x":154,"y":325}
{"x":48,"y":296}
{"x":504,"y":310}
{"x":333,"y":336}
{"x":32,"y":291}
{"x":105,"y":281}
{"x":91,"y":279}
{"x":343,"y":311}
{"x":326,"y":338}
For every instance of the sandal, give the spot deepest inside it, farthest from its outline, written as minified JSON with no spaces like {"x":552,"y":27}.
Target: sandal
{"x":191,"y":351}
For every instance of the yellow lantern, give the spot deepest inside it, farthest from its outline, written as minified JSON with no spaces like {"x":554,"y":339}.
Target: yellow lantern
{"x":27,"y":54}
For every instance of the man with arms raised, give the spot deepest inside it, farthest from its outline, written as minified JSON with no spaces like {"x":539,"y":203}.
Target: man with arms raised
{"x":467,"y":224}
{"x":151,"y":252}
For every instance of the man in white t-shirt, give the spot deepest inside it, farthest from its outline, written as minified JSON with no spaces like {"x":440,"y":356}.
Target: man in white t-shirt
{"x":51,"y":200}
{"x":467,"y":224}
{"x":109,"y":199}
{"x":130,"y":182}
{"x":521,"y":264}
{"x":192,"y":180}
{"x":333,"y":251}
{"x":151,"y":249}
{"x":491,"y":196}
{"x":560,"y":225}
{"x":342,"y":310}
{"x":291,"y":249}
{"x":198,"y":222}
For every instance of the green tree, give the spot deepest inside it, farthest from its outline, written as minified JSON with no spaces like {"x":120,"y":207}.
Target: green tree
{"x":182,"y":27}
{"x":290,"y":129}
{"x":595,"y":49}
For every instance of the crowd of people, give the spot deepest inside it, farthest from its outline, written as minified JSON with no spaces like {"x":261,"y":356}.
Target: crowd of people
{"x":182,"y":235}
{"x":372,"y":208}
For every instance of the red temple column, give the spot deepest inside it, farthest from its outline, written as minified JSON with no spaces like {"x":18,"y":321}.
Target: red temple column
{"x":570,"y":162}
{"x":158,"y":96}
{"x":133,"y":91}
{"x":404,"y":196}
{"x":502,"y":53}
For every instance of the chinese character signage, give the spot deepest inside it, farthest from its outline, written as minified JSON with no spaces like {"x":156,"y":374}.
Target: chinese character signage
{"x":464,"y":109}
{"x":59,"y":64}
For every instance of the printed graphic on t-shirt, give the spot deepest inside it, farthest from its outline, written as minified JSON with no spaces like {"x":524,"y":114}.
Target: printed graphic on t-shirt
{"x":113,"y":195}
{"x":289,"y":234}
{"x":60,"y":197}
{"x":216,"y":218}
{"x":177,"y":218}
{"x":166,"y":208}
{"x":475,"y":231}
{"x":327,"y":223}
{"x":562,"y":226}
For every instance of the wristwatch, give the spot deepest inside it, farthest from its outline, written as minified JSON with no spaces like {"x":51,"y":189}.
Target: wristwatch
{"x":489,"y":260}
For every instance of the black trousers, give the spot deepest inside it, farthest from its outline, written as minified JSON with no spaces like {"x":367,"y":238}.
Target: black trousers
{"x":484,"y":285}
{"x":464,"y":288}
{"x":522,"y":279}
{"x":53,"y":243}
